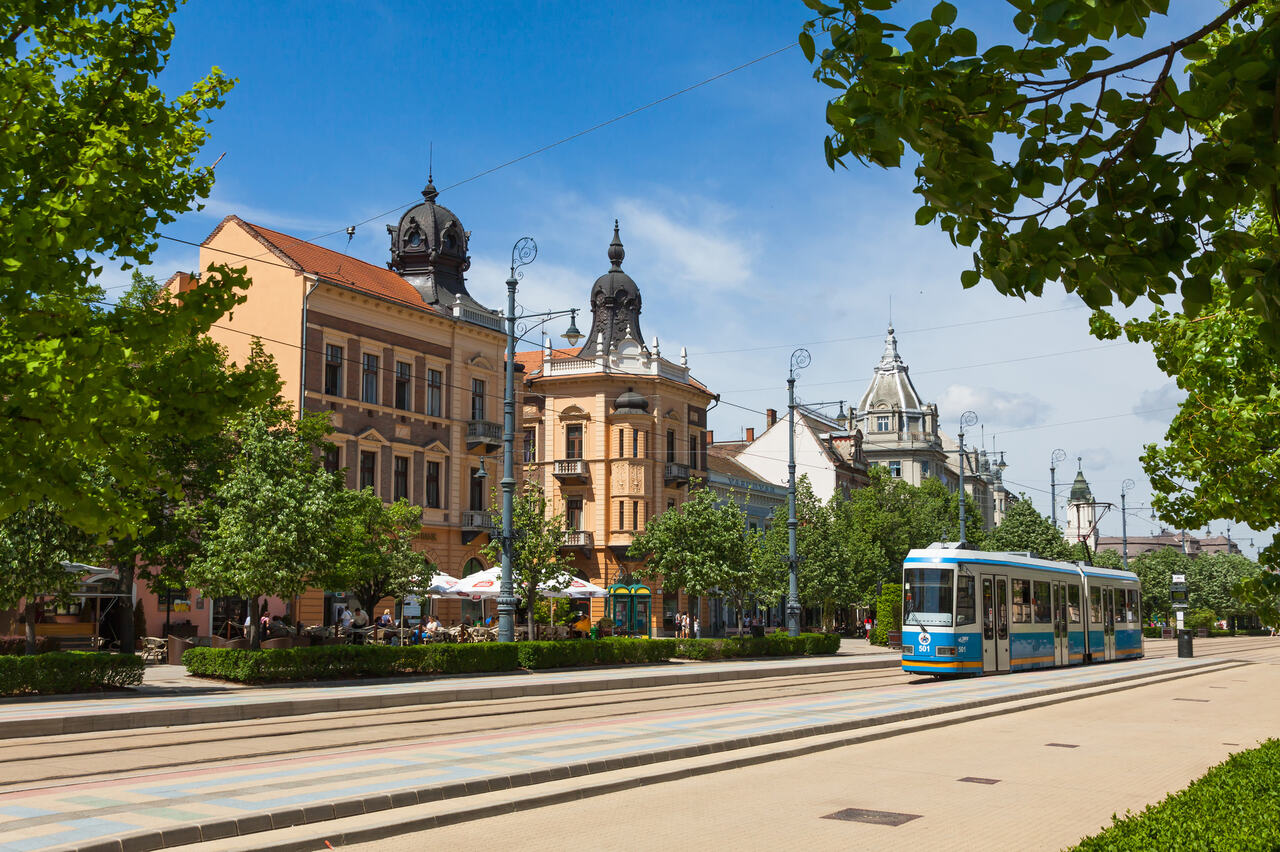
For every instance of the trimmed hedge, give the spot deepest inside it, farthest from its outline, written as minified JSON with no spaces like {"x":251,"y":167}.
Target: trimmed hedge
{"x":16,"y":646}
{"x":553,"y":655}
{"x":68,"y":671}
{"x":338,"y":662}
{"x":1233,"y":806}
{"x":774,"y":645}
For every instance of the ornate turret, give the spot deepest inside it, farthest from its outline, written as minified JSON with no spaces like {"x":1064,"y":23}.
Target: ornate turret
{"x":615,"y":307}
{"x":1080,"y":492}
{"x":429,"y":250}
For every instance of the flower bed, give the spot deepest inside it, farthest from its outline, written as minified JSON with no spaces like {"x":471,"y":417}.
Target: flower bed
{"x":67,"y":671}
{"x":1233,"y":806}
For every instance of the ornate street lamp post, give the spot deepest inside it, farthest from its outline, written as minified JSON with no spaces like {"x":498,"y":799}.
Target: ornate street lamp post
{"x":1057,"y":456}
{"x":522,"y":254}
{"x":1124,"y":526}
{"x":967,"y":419}
{"x":799,"y":360}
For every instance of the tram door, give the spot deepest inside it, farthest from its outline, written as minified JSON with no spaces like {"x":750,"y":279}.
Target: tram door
{"x":1109,"y":624}
{"x":1059,"y":624}
{"x":995,"y":623}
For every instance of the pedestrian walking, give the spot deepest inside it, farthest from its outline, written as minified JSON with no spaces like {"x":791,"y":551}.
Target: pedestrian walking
{"x":697,"y":627}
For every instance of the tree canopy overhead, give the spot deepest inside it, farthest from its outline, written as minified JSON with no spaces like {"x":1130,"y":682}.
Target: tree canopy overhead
{"x":94,"y":159}
{"x":1059,"y":161}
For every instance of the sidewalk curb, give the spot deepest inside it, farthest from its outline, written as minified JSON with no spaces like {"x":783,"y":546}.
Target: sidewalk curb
{"x":254,"y":824}
{"x":287,"y":706}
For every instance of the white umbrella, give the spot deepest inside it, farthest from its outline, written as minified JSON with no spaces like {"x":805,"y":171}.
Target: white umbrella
{"x":583,"y":589}
{"x":485,"y":584}
{"x":441,"y":584}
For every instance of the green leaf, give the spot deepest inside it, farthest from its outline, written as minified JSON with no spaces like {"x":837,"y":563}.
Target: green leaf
{"x":1251,"y":70}
{"x":944,"y":14}
{"x":923,"y":34}
{"x":807,"y":46}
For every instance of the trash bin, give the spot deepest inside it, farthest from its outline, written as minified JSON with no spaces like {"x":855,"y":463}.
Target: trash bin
{"x":1184,"y":643}
{"x":595,"y":631}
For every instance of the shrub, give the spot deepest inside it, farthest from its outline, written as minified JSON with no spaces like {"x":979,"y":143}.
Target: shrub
{"x":17,"y":645}
{"x":1152,"y":632}
{"x":888,"y":613}
{"x":337,"y":662}
{"x":775,"y":645}
{"x":67,"y":671}
{"x":1233,"y":806}
{"x":549,"y":655}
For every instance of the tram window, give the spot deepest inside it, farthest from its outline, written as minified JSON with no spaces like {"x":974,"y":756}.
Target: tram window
{"x":1043,"y":615}
{"x":1135,"y":606}
{"x":966,"y":606}
{"x":1021,"y":601}
{"x":1117,"y":606}
{"x":1073,"y":604}
{"x":988,"y":610}
{"x":927,"y":596}
{"x":1095,"y":605}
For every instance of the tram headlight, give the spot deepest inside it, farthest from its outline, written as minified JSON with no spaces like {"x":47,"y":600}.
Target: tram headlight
{"x":946,"y":651}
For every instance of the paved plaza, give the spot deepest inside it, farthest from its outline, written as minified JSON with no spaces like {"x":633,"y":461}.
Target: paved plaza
{"x":247,"y":801}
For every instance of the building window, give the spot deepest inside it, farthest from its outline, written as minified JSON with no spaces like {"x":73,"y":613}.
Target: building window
{"x":573,"y":442}
{"x":404,"y":393}
{"x":895,"y":469}
{"x":433,"y":485}
{"x":622,"y":444}
{"x":368,"y":470}
{"x":435,"y":393}
{"x":477,"y":490}
{"x":530,"y":446}
{"x":635,"y":443}
{"x":882,"y":423}
{"x":622,"y":517}
{"x":369,"y":387}
{"x":400,"y":478}
{"x":333,"y":370}
{"x":693,"y":450}
{"x":635,"y":514}
{"x":573,"y":514}
{"x":477,"y":399}
{"x":671,"y":503}
{"x":671,"y":447}
{"x":924,"y":469}
{"x":332,"y":459}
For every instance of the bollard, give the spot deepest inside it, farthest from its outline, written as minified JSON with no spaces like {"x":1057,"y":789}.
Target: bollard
{"x":1184,"y":643}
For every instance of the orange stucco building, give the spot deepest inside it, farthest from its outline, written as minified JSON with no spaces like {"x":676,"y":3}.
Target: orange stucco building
{"x":614,"y":432}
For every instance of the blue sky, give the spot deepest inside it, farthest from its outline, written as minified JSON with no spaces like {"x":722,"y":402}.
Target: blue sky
{"x":742,"y":241}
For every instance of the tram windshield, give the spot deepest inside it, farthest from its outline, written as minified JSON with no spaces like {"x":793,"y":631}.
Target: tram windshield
{"x":927,"y":596}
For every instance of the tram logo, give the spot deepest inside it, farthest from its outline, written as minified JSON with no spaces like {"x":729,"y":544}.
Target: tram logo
{"x":924,"y":639}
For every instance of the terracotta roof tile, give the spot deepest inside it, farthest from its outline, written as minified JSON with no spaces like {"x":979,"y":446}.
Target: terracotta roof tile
{"x":331,"y":265}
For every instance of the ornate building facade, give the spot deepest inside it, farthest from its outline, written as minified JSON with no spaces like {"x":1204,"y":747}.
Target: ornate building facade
{"x":614,"y":432}
{"x":405,"y":363}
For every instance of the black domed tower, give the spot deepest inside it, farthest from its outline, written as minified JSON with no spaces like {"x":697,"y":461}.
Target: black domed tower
{"x":429,"y":250}
{"x":615,"y":307}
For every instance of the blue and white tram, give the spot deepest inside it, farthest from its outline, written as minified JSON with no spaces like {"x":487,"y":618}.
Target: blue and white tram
{"x":969,"y":612}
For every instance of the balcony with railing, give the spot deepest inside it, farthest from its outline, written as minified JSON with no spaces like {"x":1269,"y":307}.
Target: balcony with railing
{"x":484,"y":436}
{"x":676,"y":474}
{"x":474,"y":520}
{"x":570,"y":471}
{"x":577,"y":538}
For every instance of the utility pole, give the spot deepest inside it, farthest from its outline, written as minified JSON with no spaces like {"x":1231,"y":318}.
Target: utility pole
{"x":1054,"y":458}
{"x":799,"y":360}
{"x":1124,"y":526}
{"x":967,"y":419}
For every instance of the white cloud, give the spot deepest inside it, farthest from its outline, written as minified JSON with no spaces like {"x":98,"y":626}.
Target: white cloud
{"x":1157,"y":405}
{"x":688,"y":246}
{"x":995,"y":408}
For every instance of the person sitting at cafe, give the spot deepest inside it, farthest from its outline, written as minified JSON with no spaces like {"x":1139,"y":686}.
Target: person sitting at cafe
{"x":385,"y":620}
{"x":582,"y":625}
{"x":433,"y":626}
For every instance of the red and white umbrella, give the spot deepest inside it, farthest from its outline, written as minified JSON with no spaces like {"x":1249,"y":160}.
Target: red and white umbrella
{"x":486,"y":584}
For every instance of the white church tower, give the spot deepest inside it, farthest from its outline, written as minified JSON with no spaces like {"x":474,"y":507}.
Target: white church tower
{"x":1082,"y":516}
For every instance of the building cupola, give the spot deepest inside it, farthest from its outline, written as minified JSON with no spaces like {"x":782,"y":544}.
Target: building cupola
{"x":429,"y":250}
{"x":615,"y":307}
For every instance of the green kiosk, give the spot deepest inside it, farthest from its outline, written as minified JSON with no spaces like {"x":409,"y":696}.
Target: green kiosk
{"x":628,"y":608}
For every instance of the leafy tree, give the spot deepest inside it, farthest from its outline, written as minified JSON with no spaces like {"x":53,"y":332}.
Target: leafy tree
{"x":1155,"y":569}
{"x":1117,"y":178}
{"x":1106,"y":559}
{"x":267,"y":528}
{"x":1024,"y":528}
{"x":373,"y":552}
{"x":34,"y":543}
{"x":537,"y":557}
{"x":95,"y":158}
{"x":703,"y":548}
{"x":1211,"y":579}
{"x":827,"y":573}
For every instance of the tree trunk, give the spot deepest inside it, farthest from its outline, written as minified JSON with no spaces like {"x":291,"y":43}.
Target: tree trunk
{"x":255,"y":627}
{"x":30,"y":612}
